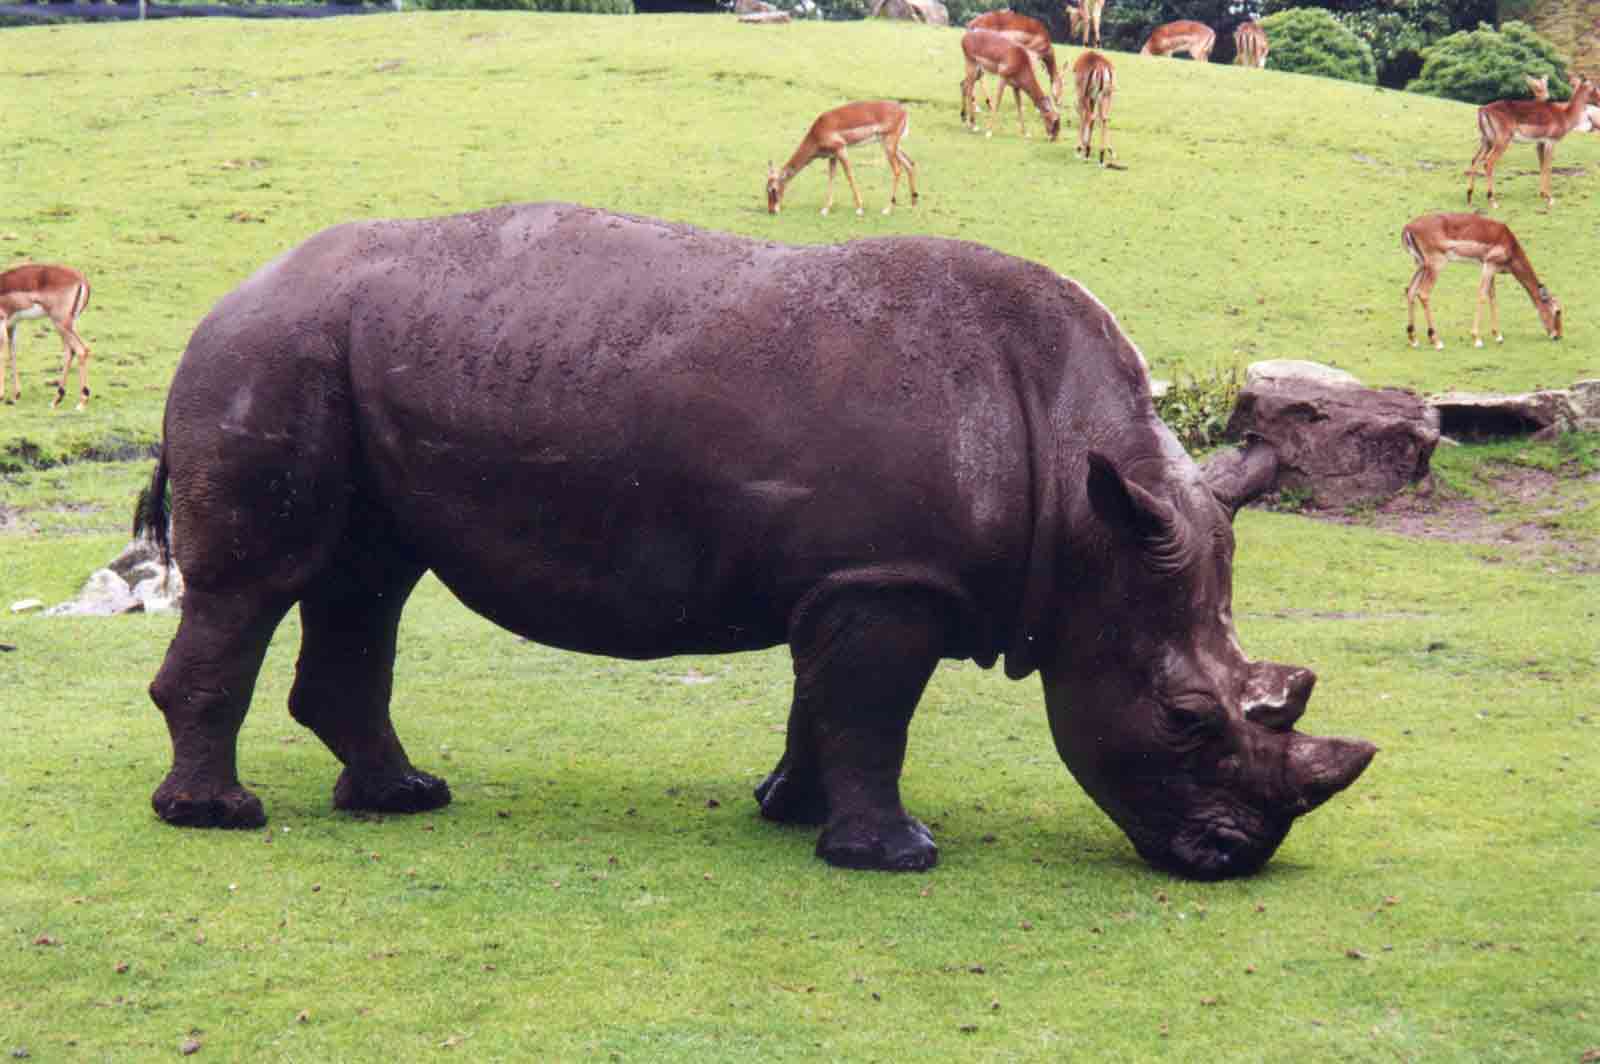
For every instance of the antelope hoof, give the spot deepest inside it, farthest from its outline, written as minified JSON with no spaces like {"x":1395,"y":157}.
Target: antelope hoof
{"x":1438,"y":345}
{"x":1413,"y":341}
{"x":1499,"y":339}
{"x":889,"y":209}
{"x":1477,"y":341}
{"x":824,"y":210}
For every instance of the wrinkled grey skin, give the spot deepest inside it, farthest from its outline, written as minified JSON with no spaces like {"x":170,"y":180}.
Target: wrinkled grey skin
{"x":630,"y":438}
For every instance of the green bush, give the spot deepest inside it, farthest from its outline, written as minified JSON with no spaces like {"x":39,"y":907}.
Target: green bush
{"x":1398,"y":33}
{"x":1309,"y":40}
{"x":1197,"y":407}
{"x":1484,"y":65}
{"x":587,"y":7}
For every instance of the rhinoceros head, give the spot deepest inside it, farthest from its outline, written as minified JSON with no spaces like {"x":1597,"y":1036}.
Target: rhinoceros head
{"x":1187,"y":744}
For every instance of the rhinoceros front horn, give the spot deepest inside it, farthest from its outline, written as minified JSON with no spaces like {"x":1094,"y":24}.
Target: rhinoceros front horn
{"x":1235,"y":477}
{"x":1319,"y":768}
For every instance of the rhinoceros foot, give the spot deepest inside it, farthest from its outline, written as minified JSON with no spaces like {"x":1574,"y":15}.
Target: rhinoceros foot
{"x":903,"y":845}
{"x":788,"y":799}
{"x":413,"y":792}
{"x":234,"y":807}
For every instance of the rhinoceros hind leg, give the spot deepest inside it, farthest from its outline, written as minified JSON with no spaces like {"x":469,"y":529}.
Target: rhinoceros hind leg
{"x":414,"y":792}
{"x":862,"y":659}
{"x":904,"y":844}
{"x":233,"y":807}
{"x":203,"y":689}
{"x":793,"y":796}
{"x":345,"y":674}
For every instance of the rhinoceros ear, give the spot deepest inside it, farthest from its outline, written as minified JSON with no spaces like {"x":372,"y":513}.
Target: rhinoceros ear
{"x":1125,"y":505}
{"x":1238,"y":476}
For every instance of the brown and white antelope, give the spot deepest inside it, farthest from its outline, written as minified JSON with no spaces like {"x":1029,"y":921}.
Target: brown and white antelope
{"x":1540,"y":121}
{"x":1031,"y":34}
{"x":1096,"y":82}
{"x":1435,"y":239}
{"x":1184,"y":35}
{"x":987,"y":52}
{"x":1250,"y":45}
{"x":59,"y":293}
{"x":1083,"y":20}
{"x":841,"y":128}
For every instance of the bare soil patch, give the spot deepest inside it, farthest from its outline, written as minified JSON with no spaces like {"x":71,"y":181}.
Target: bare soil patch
{"x":1522,"y":510}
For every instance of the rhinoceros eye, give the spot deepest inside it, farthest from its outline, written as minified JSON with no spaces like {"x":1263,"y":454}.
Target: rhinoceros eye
{"x":1193,"y":720}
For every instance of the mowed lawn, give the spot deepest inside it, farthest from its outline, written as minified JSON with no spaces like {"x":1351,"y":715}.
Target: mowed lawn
{"x":602,"y":887}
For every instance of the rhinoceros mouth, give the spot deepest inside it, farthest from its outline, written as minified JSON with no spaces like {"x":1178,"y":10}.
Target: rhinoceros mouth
{"x":1214,"y":848}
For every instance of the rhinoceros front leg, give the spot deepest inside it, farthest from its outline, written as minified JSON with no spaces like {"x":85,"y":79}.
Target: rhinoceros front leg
{"x":204,"y":689}
{"x":861,"y":663}
{"x":345,"y":676}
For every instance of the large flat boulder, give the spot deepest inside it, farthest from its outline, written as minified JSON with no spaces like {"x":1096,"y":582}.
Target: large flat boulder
{"x":1339,"y":443}
{"x":1541,"y":414}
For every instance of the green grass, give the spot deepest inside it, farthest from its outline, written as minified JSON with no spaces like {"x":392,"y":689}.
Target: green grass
{"x":602,"y":888}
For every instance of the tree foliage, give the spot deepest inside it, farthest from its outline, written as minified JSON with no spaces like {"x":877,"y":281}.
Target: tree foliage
{"x":1310,"y":40}
{"x":1485,"y":64}
{"x":591,"y":7}
{"x":1398,"y":30}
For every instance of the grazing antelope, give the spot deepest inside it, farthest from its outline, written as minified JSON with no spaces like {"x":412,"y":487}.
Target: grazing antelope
{"x":1184,"y":35}
{"x":59,"y":293}
{"x":987,"y":52}
{"x":1083,"y":19}
{"x":1250,"y":46}
{"x":1541,"y":121}
{"x":1096,"y":82}
{"x":1435,"y":239}
{"x":1031,"y":34}
{"x":841,"y":128}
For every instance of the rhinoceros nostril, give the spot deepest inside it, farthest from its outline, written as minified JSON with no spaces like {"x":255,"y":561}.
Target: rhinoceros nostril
{"x":1228,"y":843}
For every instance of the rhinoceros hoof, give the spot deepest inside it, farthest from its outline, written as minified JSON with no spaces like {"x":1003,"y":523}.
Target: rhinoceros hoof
{"x":232,"y":808}
{"x":788,"y":801}
{"x":415,"y":792}
{"x":902,"y":846}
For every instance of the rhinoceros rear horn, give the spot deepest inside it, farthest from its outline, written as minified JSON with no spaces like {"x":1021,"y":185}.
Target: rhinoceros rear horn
{"x":1238,"y":476}
{"x":1319,"y":768}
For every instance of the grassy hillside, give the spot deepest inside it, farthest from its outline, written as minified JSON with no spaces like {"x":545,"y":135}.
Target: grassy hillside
{"x":602,"y":887}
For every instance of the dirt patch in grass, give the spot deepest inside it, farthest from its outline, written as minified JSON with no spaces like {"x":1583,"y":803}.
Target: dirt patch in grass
{"x":1518,"y":508}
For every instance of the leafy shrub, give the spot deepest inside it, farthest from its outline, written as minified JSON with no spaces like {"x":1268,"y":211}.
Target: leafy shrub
{"x":588,"y":7}
{"x":1484,"y":65}
{"x":1196,"y":408}
{"x":1309,"y":40}
{"x":1398,"y":33}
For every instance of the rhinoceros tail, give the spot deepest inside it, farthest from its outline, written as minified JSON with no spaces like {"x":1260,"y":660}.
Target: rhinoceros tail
{"x":151,"y":514}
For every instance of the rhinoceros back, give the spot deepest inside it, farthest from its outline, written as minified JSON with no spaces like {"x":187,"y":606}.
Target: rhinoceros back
{"x":633,"y":437}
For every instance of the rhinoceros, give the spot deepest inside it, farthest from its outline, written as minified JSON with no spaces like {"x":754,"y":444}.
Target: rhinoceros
{"x":627,"y":437}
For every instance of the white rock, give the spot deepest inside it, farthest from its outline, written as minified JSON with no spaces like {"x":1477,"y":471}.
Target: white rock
{"x":1298,"y":369}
